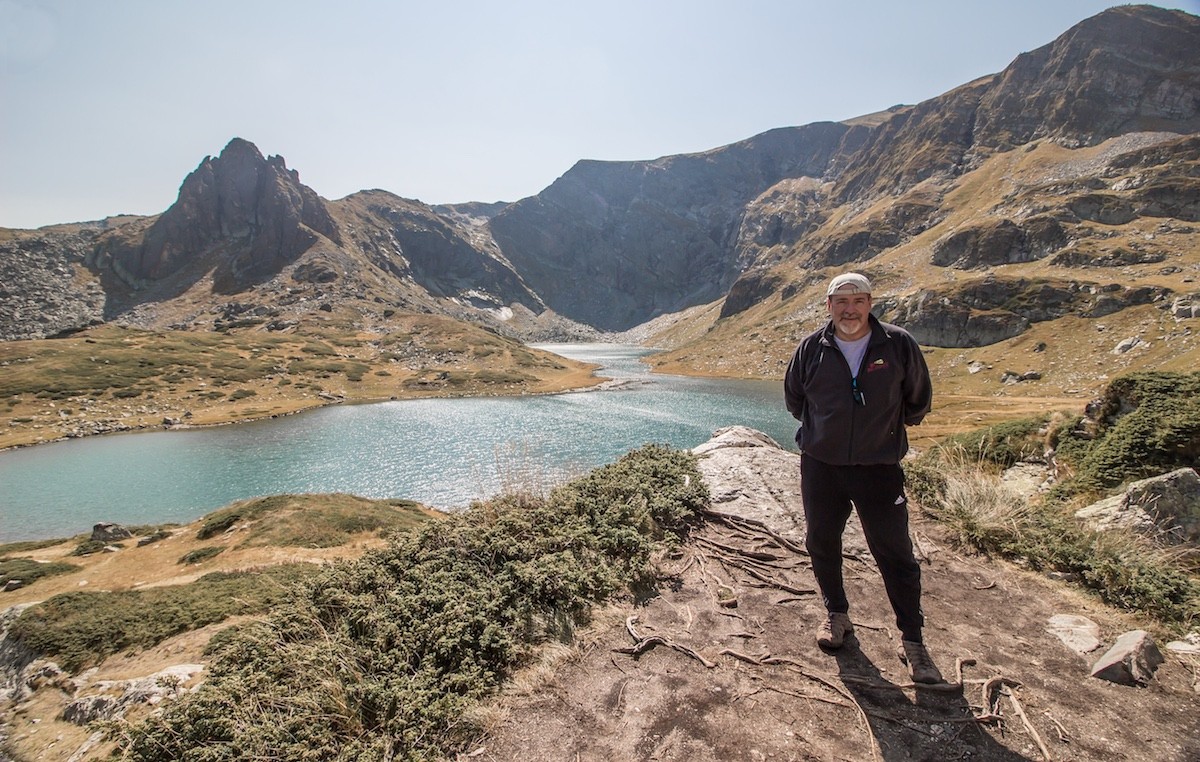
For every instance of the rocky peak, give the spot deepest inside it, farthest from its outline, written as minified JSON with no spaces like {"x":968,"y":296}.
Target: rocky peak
{"x":250,"y":213}
{"x":1130,"y":68}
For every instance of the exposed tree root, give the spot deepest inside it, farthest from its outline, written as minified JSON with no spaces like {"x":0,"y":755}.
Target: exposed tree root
{"x":744,"y":524}
{"x":643,"y":644}
{"x":756,"y":555}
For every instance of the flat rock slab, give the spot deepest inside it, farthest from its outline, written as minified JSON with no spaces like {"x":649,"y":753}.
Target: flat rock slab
{"x":1078,"y":633}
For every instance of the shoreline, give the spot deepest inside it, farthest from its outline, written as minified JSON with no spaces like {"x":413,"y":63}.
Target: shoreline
{"x":171,"y":413}
{"x":600,"y":383}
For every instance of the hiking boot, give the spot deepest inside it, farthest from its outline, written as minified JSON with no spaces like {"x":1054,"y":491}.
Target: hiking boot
{"x":833,"y":631}
{"x":920,"y":664}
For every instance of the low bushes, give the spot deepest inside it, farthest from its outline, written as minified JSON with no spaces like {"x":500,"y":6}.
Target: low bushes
{"x":201,"y":554}
{"x":79,"y":629}
{"x":1147,"y":424}
{"x":312,"y":521}
{"x":381,"y":658}
{"x":28,"y":571}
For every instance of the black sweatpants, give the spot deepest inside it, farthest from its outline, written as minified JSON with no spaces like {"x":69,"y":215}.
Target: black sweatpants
{"x":877,"y":492}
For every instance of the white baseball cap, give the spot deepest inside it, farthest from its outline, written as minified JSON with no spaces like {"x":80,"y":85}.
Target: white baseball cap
{"x":849,"y":283}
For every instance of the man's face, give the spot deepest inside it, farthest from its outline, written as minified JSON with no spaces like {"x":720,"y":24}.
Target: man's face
{"x":849,"y":313}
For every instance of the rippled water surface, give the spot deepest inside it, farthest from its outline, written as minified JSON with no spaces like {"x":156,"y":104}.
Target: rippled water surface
{"x":443,"y":453}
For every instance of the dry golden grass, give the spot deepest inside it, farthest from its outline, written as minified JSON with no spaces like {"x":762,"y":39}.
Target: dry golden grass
{"x":244,"y":546}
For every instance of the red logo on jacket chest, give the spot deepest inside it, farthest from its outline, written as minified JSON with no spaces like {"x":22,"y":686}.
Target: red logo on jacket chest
{"x":880,"y":364}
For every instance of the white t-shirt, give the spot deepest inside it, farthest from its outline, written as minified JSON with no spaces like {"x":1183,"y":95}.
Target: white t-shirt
{"x":854,"y":351}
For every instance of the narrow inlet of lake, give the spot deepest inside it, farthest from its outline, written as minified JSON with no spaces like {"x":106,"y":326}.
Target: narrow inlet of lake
{"x":444,"y":453}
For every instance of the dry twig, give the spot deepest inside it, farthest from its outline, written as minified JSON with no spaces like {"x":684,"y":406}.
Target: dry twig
{"x":1062,"y":732}
{"x":1012,"y":697}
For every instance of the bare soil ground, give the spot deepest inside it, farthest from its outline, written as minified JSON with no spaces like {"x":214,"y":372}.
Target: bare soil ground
{"x":755,"y":686}
{"x":774,"y":694}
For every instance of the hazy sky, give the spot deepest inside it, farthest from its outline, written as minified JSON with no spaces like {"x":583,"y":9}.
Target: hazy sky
{"x":106,"y":105}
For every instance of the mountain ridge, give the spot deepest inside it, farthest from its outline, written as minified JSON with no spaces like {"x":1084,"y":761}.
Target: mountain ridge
{"x":1074,"y":168}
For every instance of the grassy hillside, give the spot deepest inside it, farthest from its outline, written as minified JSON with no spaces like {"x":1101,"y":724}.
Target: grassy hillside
{"x":1073,"y":353}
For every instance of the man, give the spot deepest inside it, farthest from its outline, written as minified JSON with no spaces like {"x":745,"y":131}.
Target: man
{"x":854,"y":385}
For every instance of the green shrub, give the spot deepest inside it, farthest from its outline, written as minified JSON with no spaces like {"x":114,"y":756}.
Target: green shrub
{"x":218,"y":523}
{"x":312,"y":521}
{"x":28,"y":571}
{"x":380,"y":658}
{"x":1121,"y":569}
{"x":88,"y":547}
{"x":1003,"y":444}
{"x":242,"y":394}
{"x":200,"y":554}
{"x":153,"y":537}
{"x":1148,"y":424}
{"x":969,"y":498}
{"x":80,"y":629}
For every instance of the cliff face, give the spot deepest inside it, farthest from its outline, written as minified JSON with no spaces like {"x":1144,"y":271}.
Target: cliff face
{"x":445,"y":253}
{"x":613,"y":244}
{"x":1129,"y":69}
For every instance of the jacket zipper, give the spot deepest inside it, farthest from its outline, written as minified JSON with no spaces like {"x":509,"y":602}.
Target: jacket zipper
{"x":850,"y":438}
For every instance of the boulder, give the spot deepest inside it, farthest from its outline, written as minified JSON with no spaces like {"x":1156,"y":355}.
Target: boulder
{"x":1078,"y":633}
{"x":109,"y":532}
{"x":749,"y":474}
{"x":1133,"y":342}
{"x":1132,"y":660}
{"x":1165,"y":508}
{"x":1185,"y":307}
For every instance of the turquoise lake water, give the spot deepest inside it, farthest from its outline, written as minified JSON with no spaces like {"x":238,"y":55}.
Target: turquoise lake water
{"x":444,"y":453}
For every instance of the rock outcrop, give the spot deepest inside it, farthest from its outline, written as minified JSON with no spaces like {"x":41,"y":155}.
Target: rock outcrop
{"x":991,"y":309}
{"x":106,"y":531}
{"x":245,"y":215}
{"x":450,"y":255}
{"x":1164,"y":508}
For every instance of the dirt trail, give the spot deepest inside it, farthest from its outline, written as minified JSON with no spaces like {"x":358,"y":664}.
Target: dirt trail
{"x":772,"y":693}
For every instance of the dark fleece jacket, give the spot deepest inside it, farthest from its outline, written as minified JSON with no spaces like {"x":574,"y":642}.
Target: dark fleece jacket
{"x":834,"y":427}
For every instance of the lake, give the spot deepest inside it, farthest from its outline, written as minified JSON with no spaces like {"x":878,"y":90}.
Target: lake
{"x":441,"y":452}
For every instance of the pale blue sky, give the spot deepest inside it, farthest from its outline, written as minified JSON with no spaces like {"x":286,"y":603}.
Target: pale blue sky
{"x":106,"y":105}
